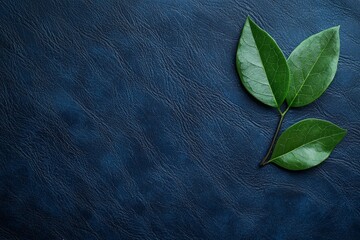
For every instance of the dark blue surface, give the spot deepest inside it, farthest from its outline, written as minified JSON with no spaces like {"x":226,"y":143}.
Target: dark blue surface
{"x":127,"y":120}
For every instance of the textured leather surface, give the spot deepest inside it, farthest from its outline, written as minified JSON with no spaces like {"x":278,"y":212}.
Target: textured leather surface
{"x":127,"y":120}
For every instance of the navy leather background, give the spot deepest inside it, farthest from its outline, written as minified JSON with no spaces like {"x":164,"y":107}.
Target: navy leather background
{"x":126,"y":120}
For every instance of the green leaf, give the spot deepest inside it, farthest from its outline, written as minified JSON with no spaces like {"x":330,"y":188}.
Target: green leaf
{"x":306,"y":144}
{"x":313,"y":66}
{"x":262,"y":66}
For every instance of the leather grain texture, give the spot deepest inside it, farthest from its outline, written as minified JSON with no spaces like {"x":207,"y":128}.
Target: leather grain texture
{"x":127,"y":120}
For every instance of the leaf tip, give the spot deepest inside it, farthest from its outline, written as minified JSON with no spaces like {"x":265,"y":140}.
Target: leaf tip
{"x":345,"y":131}
{"x":248,"y":19}
{"x":336,"y":28}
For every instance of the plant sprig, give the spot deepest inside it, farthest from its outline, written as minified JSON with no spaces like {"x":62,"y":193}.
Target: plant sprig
{"x":298,"y":81}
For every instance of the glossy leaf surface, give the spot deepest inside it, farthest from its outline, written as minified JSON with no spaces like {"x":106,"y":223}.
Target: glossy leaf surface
{"x":262,"y":66}
{"x":306,"y":144}
{"x":313,"y":66}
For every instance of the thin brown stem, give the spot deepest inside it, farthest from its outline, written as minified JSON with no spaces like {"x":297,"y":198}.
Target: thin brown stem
{"x":265,"y":159}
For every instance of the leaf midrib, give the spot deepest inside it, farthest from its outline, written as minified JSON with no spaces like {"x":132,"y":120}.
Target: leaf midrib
{"x":262,"y":62}
{"x":307,"y":76}
{"x":271,"y":160}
